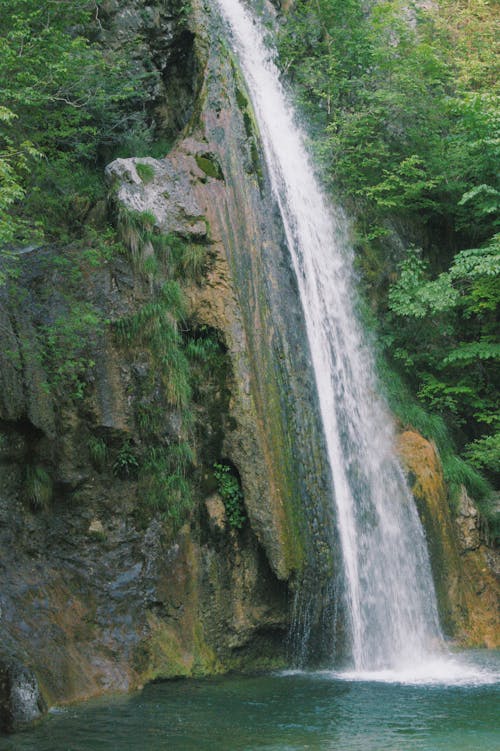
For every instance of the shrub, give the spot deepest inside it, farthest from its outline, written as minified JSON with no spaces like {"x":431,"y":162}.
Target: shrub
{"x":231,"y":494}
{"x":126,"y":464}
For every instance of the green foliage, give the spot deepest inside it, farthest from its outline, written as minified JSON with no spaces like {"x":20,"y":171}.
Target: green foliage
{"x":38,"y":487}
{"x":126,"y":464}
{"x":452,"y":374}
{"x":143,"y":142}
{"x":65,"y":344}
{"x":152,"y":251}
{"x":66,"y":103}
{"x":145,"y":171}
{"x":164,"y":484}
{"x":136,"y":231}
{"x":485,"y":453}
{"x":231,"y":494}
{"x":413,"y":296}
{"x":402,"y":102}
{"x":390,"y":128}
{"x":14,"y":165}
{"x":193,"y":262}
{"x":98,"y":452}
{"x":154,"y":326}
{"x":204,"y":349}
{"x":403,"y":106}
{"x":457,"y":471}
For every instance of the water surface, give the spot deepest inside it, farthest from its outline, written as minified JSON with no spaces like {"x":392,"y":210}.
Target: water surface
{"x":288,"y":712}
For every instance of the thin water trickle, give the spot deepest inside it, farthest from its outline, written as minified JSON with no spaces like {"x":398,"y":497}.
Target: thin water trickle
{"x":390,"y":599}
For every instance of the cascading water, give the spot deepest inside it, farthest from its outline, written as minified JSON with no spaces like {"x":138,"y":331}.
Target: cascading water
{"x":390,"y":600}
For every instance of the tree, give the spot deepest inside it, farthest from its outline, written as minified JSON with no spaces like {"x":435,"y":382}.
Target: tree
{"x":66,"y":101}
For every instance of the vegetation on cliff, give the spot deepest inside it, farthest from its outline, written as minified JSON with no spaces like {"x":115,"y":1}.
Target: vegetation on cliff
{"x":402,"y":104}
{"x":67,"y":102}
{"x":70,"y":103}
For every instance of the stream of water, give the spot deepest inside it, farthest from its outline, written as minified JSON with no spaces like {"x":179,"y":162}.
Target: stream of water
{"x":389,"y":593}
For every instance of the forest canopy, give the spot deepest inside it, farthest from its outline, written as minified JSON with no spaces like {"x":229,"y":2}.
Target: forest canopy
{"x":66,"y":102}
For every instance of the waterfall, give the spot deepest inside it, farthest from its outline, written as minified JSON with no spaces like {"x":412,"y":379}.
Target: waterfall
{"x":390,"y":602}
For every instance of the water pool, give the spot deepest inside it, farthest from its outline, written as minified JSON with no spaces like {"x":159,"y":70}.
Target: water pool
{"x":285,"y":712}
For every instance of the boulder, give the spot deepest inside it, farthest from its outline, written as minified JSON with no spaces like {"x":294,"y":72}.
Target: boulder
{"x":21,"y":702}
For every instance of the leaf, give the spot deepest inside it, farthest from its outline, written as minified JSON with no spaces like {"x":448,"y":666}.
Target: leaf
{"x":468,"y":352}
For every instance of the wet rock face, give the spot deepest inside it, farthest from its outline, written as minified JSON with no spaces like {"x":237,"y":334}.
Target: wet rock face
{"x":21,"y":702}
{"x":467,"y":522}
{"x":467,"y":585}
{"x":212,"y":188}
{"x":162,"y":47}
{"x":98,"y":594}
{"x":429,"y":490}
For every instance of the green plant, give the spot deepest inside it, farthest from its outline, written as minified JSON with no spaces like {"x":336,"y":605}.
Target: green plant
{"x":164,"y":484}
{"x":231,"y":494}
{"x":73,"y":100}
{"x":38,"y":487}
{"x":457,"y":471}
{"x":126,"y":464}
{"x":99,"y":246}
{"x":98,"y":452}
{"x":145,"y":171}
{"x":404,"y":123}
{"x":154,"y":326}
{"x":64,"y":345}
{"x":136,"y":231}
{"x":484,"y":453}
{"x":194,"y":262}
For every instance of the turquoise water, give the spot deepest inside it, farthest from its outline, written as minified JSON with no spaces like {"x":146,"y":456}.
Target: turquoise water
{"x":278,"y":713}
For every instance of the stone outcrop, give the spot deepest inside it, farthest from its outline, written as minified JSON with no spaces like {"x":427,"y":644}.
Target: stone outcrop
{"x":21,"y":702}
{"x":468,"y":524}
{"x":97,"y":595}
{"x":465,"y":568}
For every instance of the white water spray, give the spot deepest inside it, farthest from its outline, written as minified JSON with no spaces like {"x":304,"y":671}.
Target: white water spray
{"x":391,"y":604}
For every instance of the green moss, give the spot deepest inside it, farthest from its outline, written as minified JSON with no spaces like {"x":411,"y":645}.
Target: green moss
{"x":166,"y":658}
{"x":205,"y":661}
{"x":248,"y":123}
{"x":97,"y":536}
{"x":241,"y":98}
{"x":256,"y":163}
{"x":209,"y":164}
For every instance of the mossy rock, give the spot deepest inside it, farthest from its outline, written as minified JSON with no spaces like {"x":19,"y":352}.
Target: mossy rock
{"x":209,"y":164}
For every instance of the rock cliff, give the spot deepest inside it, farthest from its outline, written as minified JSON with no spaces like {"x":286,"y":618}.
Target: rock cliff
{"x":126,"y":375}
